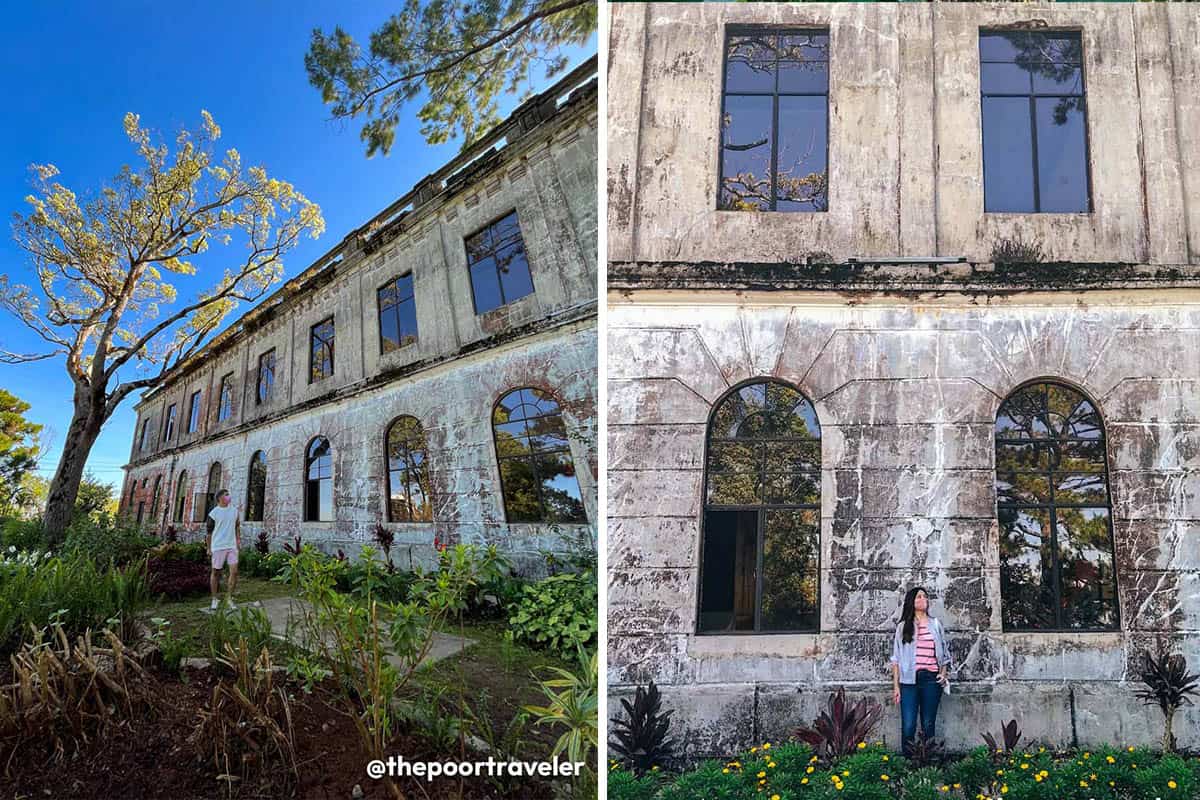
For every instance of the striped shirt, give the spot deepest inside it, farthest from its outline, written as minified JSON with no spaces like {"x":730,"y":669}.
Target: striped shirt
{"x":926,"y":652}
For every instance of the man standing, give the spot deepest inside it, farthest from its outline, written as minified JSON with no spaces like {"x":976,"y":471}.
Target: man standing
{"x":224,"y":539}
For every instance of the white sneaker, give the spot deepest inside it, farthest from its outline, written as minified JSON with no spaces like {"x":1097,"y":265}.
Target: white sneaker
{"x":215,"y":604}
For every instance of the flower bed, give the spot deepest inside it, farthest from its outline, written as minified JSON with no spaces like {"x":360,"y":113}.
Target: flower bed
{"x":177,"y":578}
{"x":792,"y":772}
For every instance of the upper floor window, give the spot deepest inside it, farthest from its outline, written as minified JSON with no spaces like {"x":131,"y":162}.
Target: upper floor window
{"x":266,"y":376}
{"x":142,"y":436}
{"x":775,"y":121}
{"x":537,"y":474}
{"x":320,"y":341}
{"x":1035,"y":154}
{"x":1057,"y":569}
{"x":169,"y":427}
{"x":499,"y":269}
{"x":194,"y":413}
{"x":407,"y":472}
{"x":397,"y":314}
{"x":256,"y":490}
{"x":318,"y":481}
{"x":225,"y":405}
{"x":760,"y":552}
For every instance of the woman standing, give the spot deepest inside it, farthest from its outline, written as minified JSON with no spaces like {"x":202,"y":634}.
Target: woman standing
{"x":920,"y":665}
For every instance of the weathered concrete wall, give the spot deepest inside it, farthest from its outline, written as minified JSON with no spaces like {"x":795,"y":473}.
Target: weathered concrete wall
{"x":905,"y":148}
{"x":907,"y":392}
{"x":450,"y":378}
{"x":454,"y":404}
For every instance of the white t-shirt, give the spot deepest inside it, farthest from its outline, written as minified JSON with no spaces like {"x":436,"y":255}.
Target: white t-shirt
{"x":223,"y":537}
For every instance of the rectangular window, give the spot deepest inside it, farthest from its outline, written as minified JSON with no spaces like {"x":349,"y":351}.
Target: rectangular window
{"x":1035,"y":153}
{"x":775,"y":121}
{"x":266,"y":376}
{"x":194,"y":413}
{"x":169,"y":426}
{"x":397,"y":314}
{"x":496,"y":260}
{"x":320,"y":341}
{"x":142,"y":436}
{"x":225,"y":407}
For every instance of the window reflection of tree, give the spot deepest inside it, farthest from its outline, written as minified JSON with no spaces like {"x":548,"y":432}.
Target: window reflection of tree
{"x":407,"y":472}
{"x":762,"y":504}
{"x":1053,"y":507}
{"x":537,"y":473}
{"x":763,"y":188}
{"x":1057,"y":58}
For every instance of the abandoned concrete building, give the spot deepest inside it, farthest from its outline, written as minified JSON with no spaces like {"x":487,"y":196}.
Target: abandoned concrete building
{"x":899,"y":295}
{"x":435,"y":373}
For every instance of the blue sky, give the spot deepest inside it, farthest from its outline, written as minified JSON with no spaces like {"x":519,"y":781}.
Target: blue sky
{"x":73,"y":70}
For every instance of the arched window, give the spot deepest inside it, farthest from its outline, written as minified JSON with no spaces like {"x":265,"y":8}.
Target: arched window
{"x":407,"y":472}
{"x":537,"y":474}
{"x":214,"y":486}
{"x":157,"y":493}
{"x":1052,"y":502}
{"x":760,"y":557}
{"x":318,"y":481}
{"x":256,"y":489}
{"x":180,"y":495}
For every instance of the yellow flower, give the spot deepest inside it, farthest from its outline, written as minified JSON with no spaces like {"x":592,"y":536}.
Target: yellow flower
{"x":1024,"y":766}
{"x":753,"y":749}
{"x":1093,"y":776}
{"x":774,"y":797}
{"x":999,"y":772}
{"x":804,"y":780}
{"x":885,"y":758}
{"x":1134,"y":766}
{"x":846,"y":772}
{"x":809,"y":770}
{"x":1172,"y":784}
{"x":862,"y":745}
{"x":1087,"y":755}
{"x":1083,"y":784}
{"x":1004,"y":789}
{"x":770,"y":764}
{"x":1131,"y":748}
{"x":761,"y":774}
{"x":812,"y":760}
{"x":883,"y":777}
{"x":1038,"y":777}
{"x":958,"y":786}
{"x":767,"y":746}
{"x":1110,"y":759}
{"x":654,"y":768}
{"x":725,"y":771}
{"x":1041,"y":749}
{"x":1112,"y":783}
{"x":944,"y":789}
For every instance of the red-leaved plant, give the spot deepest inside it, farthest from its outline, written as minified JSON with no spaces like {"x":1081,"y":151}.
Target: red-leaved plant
{"x":839,"y":729}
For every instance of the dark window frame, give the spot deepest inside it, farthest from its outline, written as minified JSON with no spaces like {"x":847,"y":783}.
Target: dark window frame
{"x":407,"y":469}
{"x":761,"y":509}
{"x":262,"y":393}
{"x":732,"y":31}
{"x":210,"y":496}
{"x":180,"y":496}
{"x":1050,"y":506}
{"x":394,"y":283}
{"x":225,"y":398}
{"x":504,"y":301}
{"x":157,"y":493}
{"x":169,"y":423}
{"x":256,"y":495}
{"x":142,"y":437}
{"x":308,"y":462}
{"x":531,"y":456}
{"x":1033,"y":96}
{"x":323,"y":344}
{"x":195,"y":410}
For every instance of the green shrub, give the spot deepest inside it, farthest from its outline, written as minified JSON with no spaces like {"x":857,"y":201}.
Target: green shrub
{"x":227,"y":626}
{"x":22,"y":535}
{"x":107,"y":541}
{"x":711,"y":780}
{"x":250,"y":562}
{"x":557,"y":613}
{"x":624,"y":785}
{"x":38,"y":589}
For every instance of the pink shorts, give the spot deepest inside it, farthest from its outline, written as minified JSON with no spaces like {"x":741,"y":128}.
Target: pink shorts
{"x":222,"y":557}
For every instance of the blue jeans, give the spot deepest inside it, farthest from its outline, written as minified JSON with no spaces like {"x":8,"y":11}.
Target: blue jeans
{"x":922,"y":696}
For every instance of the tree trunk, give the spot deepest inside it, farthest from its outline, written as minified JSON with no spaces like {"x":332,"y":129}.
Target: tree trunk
{"x":81,"y":435}
{"x":1168,"y":735}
